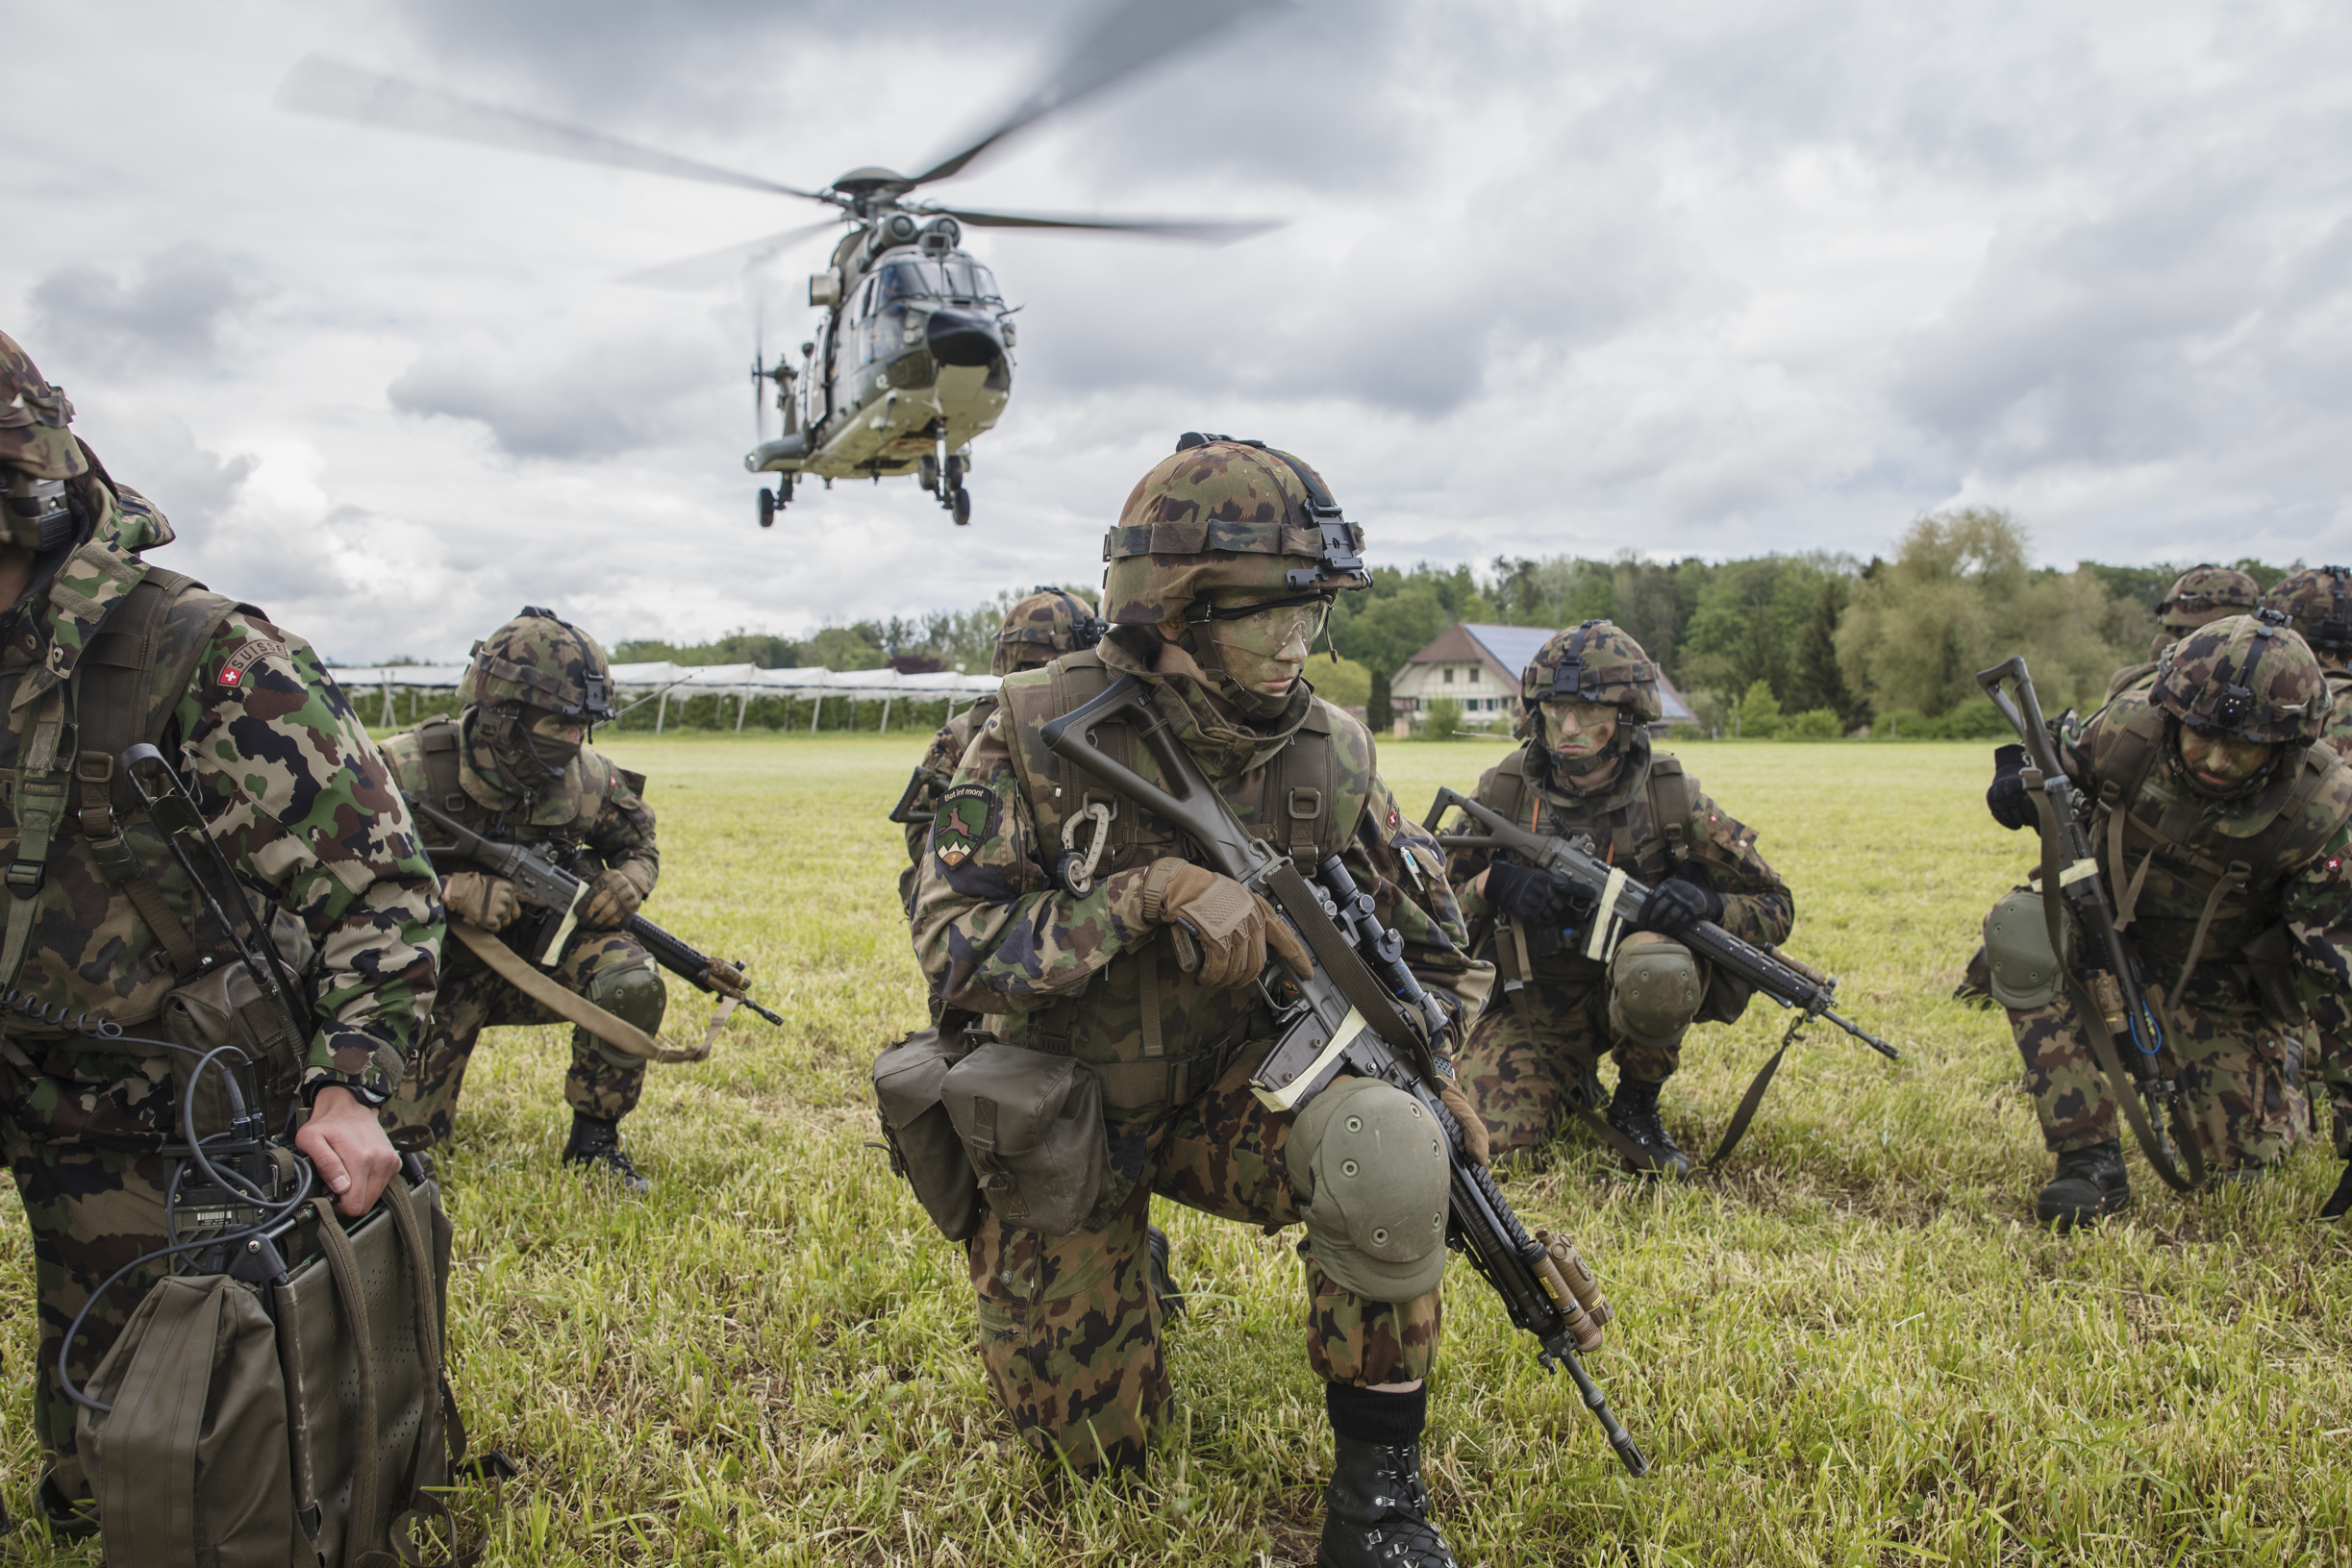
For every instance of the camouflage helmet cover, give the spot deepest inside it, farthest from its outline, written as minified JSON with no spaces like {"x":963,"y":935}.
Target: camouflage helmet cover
{"x":1050,"y":621}
{"x":2244,"y":677}
{"x":540,"y":661}
{"x":1593,"y":662}
{"x":32,"y":419}
{"x":2205,"y":593}
{"x":1225,"y":513}
{"x":2316,"y":602}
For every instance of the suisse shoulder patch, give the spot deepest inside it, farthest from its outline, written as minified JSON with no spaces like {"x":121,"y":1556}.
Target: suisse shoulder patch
{"x":961,"y":823}
{"x":236,"y":670}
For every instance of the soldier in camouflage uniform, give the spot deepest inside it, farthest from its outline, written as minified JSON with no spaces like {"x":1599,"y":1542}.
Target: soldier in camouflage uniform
{"x":1049,"y":622}
{"x":2317,"y":602}
{"x":1587,"y":767}
{"x":100,"y":650}
{"x":2222,"y":830}
{"x":2198,"y":597}
{"x":1043,"y":908}
{"x":514,"y":766}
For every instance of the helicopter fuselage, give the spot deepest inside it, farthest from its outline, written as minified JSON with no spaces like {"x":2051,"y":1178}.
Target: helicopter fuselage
{"x":911,"y":361}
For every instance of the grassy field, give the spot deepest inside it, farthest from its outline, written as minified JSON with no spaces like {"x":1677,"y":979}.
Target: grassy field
{"x":1852,"y":1346}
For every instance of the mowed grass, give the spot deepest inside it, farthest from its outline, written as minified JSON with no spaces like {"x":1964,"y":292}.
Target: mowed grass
{"x":1851,"y":1346}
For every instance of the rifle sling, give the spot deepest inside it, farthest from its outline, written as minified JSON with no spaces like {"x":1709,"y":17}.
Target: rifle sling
{"x":516,"y":971}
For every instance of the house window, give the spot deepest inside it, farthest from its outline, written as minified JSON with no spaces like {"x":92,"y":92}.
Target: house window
{"x":1473,"y":675}
{"x":1449,"y":674}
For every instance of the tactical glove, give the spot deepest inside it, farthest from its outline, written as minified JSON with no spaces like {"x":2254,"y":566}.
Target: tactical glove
{"x":1473,"y":1125}
{"x":1681,"y":902}
{"x":488,"y":901}
{"x":1233,"y":925}
{"x":615,"y":897}
{"x":1541,"y":898}
{"x":2007,"y":798}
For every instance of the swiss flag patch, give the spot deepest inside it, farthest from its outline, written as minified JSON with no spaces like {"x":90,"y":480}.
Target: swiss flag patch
{"x":231,"y":678}
{"x":1394,"y":819}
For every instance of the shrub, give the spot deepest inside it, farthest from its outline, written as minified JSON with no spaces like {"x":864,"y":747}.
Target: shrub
{"x":1814,"y":724}
{"x":1444,"y":721}
{"x":1760,"y":716}
{"x":1685,"y":732}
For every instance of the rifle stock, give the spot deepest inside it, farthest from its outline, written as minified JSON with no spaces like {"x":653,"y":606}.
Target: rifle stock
{"x":1362,"y":1014}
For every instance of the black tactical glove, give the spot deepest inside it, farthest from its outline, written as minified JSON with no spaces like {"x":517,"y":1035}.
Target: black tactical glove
{"x":1540,"y":898}
{"x":2007,"y":798}
{"x":1681,"y":902}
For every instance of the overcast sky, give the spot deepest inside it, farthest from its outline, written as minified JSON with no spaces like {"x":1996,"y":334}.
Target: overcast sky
{"x":1672,"y":278}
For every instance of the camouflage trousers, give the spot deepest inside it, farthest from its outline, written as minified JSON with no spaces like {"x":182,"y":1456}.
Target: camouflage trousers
{"x":2334,"y":1072}
{"x":2230,"y":1064}
{"x":603,"y":1081}
{"x":1528,"y":1058}
{"x":1070,"y":1329}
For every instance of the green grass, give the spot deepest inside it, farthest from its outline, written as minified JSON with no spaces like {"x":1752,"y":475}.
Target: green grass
{"x":1851,"y":1347}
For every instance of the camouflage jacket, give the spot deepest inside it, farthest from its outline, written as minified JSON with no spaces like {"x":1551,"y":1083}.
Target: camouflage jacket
{"x":2263,"y":874}
{"x":291,"y":788}
{"x":2337,"y":735}
{"x":594,"y":817}
{"x":938,"y":767}
{"x":1090,"y":975}
{"x":1624,"y":823}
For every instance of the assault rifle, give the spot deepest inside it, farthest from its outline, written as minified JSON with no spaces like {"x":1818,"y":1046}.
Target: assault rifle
{"x":2104,"y":983}
{"x":539,"y":881}
{"x":1363,"y":1013}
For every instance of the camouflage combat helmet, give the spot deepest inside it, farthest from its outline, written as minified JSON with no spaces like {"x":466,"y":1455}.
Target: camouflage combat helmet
{"x":2244,"y":677}
{"x":1594,"y":663}
{"x":1049,"y":622}
{"x":1226,"y":514}
{"x":2316,"y":602}
{"x":37,"y":454}
{"x":539,"y":660}
{"x":2205,"y":594}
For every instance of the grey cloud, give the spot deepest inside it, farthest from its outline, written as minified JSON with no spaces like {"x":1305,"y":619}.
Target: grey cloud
{"x":174,"y":303}
{"x":156,"y":454}
{"x":570,"y":400}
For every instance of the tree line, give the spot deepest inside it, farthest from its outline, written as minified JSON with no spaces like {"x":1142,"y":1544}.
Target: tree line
{"x":1813,"y":644}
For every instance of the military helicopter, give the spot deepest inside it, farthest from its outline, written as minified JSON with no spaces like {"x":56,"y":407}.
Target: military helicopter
{"x":913,"y":358}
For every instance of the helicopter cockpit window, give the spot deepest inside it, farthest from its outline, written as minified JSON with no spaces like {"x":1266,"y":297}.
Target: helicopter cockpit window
{"x":904,"y":280}
{"x":969,"y":280}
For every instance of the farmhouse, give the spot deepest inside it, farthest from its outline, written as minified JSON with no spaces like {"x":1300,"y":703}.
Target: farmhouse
{"x":1478,"y":666}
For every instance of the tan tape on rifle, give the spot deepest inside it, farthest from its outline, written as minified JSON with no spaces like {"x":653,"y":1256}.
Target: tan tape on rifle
{"x":519,"y":972}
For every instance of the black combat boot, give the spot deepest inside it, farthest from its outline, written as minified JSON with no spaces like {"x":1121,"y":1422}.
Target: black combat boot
{"x":1164,"y":1282}
{"x":595,"y":1143}
{"x":1376,"y":1511}
{"x":1634,"y":1112}
{"x":2340,"y":1204}
{"x":2089,"y":1184}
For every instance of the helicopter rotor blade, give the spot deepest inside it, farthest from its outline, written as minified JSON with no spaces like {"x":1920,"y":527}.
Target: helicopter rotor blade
{"x":758,"y":368}
{"x":1200,"y":231}
{"x":332,"y":89}
{"x":711,"y":268}
{"x":1129,"y":36}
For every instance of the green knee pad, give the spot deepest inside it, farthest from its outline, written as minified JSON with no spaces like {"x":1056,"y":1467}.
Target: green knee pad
{"x":2025,"y":973}
{"x":1369,"y":1167}
{"x":1653,"y":990}
{"x":632,"y":992}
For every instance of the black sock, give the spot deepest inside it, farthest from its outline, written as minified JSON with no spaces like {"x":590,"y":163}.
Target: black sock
{"x":1369,"y":1416}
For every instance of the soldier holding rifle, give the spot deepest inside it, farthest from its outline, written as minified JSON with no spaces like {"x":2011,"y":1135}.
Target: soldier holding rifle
{"x":1088,"y":930}
{"x":2198,"y":837}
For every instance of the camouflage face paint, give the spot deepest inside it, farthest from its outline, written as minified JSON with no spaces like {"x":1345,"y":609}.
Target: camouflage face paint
{"x":2222,"y":761}
{"x":1579,"y":730}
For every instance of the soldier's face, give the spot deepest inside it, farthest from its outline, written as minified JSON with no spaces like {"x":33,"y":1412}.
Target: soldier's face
{"x":1579,"y":730}
{"x":1265,"y":649}
{"x":2222,"y":761}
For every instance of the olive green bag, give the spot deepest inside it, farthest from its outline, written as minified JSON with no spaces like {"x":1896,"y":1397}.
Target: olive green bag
{"x":1032,"y":1125}
{"x":924,"y":1147}
{"x":301,"y":1421}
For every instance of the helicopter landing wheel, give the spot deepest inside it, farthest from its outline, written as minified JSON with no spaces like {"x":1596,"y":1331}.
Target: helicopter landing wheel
{"x":963,"y":506}
{"x":768,"y":506}
{"x":955,"y":472}
{"x":927,"y":470}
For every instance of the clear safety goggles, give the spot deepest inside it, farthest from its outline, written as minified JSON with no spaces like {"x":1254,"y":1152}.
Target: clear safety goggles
{"x":1266,"y":629}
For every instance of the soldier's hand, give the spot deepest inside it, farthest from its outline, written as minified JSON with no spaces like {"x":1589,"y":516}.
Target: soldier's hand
{"x":2007,"y":798}
{"x":1474,"y":1126}
{"x":347,"y":1144}
{"x":614,"y":897}
{"x":1233,"y":925}
{"x":1541,"y":898}
{"x":488,"y":901}
{"x":1681,"y":902}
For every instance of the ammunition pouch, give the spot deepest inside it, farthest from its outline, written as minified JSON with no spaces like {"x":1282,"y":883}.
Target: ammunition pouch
{"x":225,"y":1006}
{"x":924,"y":1147}
{"x":300,"y":1419}
{"x":2025,"y":974}
{"x":1032,"y":1125}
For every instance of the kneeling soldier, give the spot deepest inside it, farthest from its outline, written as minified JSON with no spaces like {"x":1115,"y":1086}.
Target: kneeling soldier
{"x":100,"y":651}
{"x":1588,"y":768}
{"x":514,"y":766}
{"x":2221,"y":832}
{"x":1143,"y":967}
